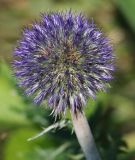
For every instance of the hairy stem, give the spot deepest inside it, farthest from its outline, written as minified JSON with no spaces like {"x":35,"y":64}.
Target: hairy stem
{"x":85,"y":136}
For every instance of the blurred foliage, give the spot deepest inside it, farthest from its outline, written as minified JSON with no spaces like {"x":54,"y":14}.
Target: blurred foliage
{"x":111,"y":116}
{"x":127,"y":8}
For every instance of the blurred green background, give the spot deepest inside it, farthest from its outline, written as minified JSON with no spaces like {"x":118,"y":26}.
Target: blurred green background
{"x":111,"y":116}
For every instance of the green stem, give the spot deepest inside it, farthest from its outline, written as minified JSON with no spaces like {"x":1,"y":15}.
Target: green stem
{"x":85,"y":136}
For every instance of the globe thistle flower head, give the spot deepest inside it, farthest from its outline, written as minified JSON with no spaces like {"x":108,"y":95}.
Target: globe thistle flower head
{"x":64,"y":60}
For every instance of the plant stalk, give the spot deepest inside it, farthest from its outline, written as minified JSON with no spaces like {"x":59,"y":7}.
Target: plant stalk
{"x":85,"y":136}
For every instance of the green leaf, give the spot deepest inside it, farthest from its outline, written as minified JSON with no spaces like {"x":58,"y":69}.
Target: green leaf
{"x":9,"y":99}
{"x":17,"y":145}
{"x":127,"y":7}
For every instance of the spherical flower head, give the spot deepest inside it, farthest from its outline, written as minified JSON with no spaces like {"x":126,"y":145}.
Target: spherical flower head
{"x":64,"y":60}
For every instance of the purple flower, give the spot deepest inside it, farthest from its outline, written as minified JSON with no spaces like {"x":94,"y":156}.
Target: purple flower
{"x":63,"y":59}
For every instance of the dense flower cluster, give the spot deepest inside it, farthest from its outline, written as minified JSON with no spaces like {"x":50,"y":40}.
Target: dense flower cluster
{"x":63,"y":59}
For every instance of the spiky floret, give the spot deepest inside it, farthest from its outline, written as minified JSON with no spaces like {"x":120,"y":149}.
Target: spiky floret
{"x":63,"y":59}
